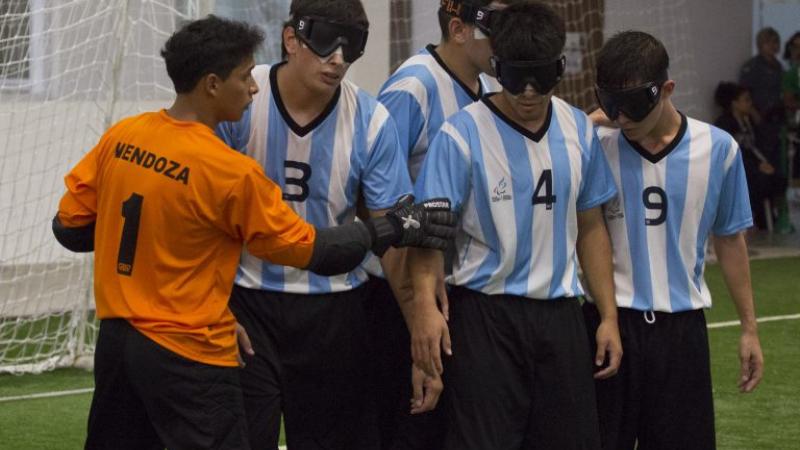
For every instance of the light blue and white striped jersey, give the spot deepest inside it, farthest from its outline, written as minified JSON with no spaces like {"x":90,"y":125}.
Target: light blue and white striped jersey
{"x":518,"y":195}
{"x":320,"y":168}
{"x":667,"y":205}
{"x":420,"y":95}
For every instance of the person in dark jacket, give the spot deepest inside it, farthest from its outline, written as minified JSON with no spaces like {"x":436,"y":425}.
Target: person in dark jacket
{"x":741,"y":120}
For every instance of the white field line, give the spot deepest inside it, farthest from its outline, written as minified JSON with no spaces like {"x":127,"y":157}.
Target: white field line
{"x":734,"y":323}
{"x":46,"y":395}
{"x":731,"y":323}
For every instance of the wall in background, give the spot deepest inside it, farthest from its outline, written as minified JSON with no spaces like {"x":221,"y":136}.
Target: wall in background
{"x":707,"y":41}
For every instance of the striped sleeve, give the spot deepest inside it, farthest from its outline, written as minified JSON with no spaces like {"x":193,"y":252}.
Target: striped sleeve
{"x":597,"y":186}
{"x":386,"y":176}
{"x":404,"y":100}
{"x":446,"y":170}
{"x":733,"y":213}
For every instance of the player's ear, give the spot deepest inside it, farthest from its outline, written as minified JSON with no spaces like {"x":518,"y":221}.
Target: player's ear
{"x":458,"y":30}
{"x":290,"y":42}
{"x":211,"y":84}
{"x":667,"y":88}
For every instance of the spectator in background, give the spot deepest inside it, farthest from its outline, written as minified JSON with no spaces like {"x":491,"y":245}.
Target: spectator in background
{"x":762,"y":75}
{"x":791,"y":100}
{"x":740,"y":119}
{"x":791,"y":78}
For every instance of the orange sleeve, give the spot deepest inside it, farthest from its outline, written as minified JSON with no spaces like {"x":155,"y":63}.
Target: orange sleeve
{"x":270,"y":229}
{"x":78,"y":206}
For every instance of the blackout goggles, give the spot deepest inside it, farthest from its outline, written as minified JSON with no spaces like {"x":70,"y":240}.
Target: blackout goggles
{"x":542,"y":75}
{"x":323,"y":37}
{"x":636,"y":102}
{"x":480,"y":16}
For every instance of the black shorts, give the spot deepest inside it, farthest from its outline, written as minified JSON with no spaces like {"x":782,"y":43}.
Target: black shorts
{"x":661,"y":397}
{"x":520,"y":376}
{"x":147,"y":397}
{"x":310,"y":364}
{"x":390,"y":350}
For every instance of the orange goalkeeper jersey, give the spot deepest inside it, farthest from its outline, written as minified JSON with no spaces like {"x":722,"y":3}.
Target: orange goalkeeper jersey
{"x":173,"y":205}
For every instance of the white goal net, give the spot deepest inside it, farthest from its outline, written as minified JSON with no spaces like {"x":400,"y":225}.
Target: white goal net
{"x":69,"y":69}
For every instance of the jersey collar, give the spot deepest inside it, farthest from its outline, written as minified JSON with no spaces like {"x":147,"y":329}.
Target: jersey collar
{"x":535,"y":137}
{"x":655,"y":158}
{"x":294,"y":126}
{"x":475,"y":97}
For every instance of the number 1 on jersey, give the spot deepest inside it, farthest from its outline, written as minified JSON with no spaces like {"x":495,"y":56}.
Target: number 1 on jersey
{"x":132,"y":212}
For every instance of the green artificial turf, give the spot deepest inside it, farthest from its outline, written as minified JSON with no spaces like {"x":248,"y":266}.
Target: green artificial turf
{"x":765,"y":419}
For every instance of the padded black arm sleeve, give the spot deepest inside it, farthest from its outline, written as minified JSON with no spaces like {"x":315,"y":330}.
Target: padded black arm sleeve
{"x":78,"y":239}
{"x":340,"y":249}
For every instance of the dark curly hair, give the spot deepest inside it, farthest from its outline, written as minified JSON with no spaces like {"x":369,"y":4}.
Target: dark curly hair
{"x":631,"y":58}
{"x":727,"y":92}
{"x":209,"y":45}
{"x":527,"y":31}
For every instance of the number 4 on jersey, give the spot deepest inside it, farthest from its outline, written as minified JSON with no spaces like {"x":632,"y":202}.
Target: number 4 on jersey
{"x":546,"y":182}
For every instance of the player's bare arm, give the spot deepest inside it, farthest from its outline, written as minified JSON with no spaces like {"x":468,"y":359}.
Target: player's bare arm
{"x":594,"y":251}
{"x":732,"y":256}
{"x":426,"y":389}
{"x":426,"y":324}
{"x":599,"y":118}
{"x":394,"y":267}
{"x":243,"y":340}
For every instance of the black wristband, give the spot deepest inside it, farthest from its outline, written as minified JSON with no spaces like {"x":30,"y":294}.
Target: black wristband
{"x":384,"y":232}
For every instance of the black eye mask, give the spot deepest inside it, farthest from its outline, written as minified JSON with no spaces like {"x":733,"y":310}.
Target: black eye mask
{"x":480,"y":16}
{"x":543,"y":75}
{"x":636,"y":102}
{"x":324,"y":37}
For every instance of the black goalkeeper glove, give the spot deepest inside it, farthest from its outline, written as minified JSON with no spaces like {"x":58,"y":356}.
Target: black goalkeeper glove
{"x":429,"y":224}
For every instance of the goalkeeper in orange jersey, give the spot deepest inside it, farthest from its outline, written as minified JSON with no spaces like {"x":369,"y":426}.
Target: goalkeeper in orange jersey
{"x":166,"y":206}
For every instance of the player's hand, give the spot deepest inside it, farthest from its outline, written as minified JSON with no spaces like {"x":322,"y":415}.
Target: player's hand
{"x":599,"y":118}
{"x":429,"y":337}
{"x":766,"y":168}
{"x":752,"y":362}
{"x":244,"y":344}
{"x":441,"y":297}
{"x":427,"y":390}
{"x":609,"y":348}
{"x":429,"y":224}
